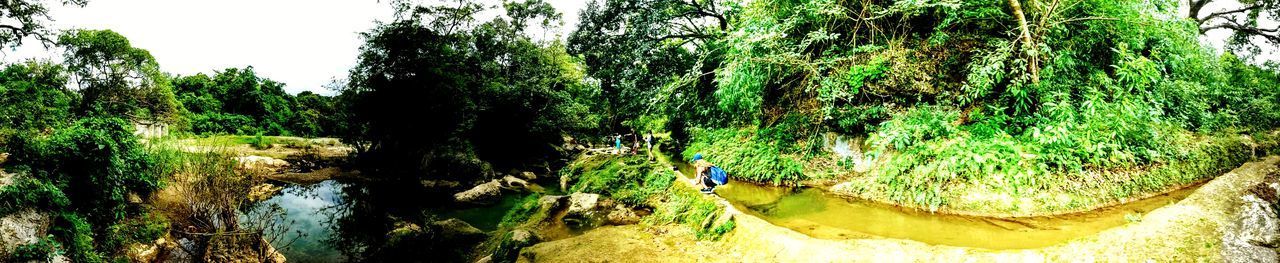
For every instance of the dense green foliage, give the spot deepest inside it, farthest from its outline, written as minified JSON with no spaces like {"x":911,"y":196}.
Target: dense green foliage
{"x":948,"y":93}
{"x":478,"y":93}
{"x":116,"y":78}
{"x":637,"y":182}
{"x":86,"y":172}
{"x":237,"y":101}
{"x":630,"y":180}
{"x":33,"y":97}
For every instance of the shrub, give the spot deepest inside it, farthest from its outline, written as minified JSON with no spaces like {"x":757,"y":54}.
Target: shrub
{"x":31,"y":193}
{"x":631,"y":180}
{"x":918,"y":124}
{"x":745,"y":155}
{"x":98,"y":162}
{"x":43,"y":249}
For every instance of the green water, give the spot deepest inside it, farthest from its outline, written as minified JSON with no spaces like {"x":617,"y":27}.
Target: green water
{"x":328,"y":220}
{"x":822,"y":215}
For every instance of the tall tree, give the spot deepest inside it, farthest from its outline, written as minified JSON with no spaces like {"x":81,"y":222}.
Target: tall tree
{"x":479,"y":93}
{"x":28,"y":18}
{"x":634,"y":48}
{"x":116,"y":78}
{"x":1246,"y":19}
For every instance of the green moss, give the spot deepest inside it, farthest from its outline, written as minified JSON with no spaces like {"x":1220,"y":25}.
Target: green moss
{"x":527,"y":210}
{"x":632,"y":180}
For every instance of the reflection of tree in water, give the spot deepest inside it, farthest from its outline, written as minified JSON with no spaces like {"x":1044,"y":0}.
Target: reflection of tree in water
{"x":362,"y":226}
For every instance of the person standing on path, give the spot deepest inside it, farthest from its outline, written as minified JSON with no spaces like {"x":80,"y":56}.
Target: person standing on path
{"x":617,"y":144}
{"x":648,"y":144}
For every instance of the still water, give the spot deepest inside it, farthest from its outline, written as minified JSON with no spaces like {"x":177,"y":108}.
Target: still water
{"x":822,"y":215}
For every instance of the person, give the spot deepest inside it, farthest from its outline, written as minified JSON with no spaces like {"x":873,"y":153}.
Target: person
{"x":635,"y":143}
{"x":648,"y":144}
{"x":709,"y":176}
{"x":617,"y":144}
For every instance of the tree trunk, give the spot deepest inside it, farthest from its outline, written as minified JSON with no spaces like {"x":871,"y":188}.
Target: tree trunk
{"x":1027,"y":45}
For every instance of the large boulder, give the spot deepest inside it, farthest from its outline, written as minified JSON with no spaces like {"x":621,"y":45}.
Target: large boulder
{"x":513,"y":183}
{"x":621,"y":215}
{"x":1255,"y":235}
{"x":581,"y":203}
{"x":454,"y":229}
{"x":527,"y":175}
{"x":20,"y":228}
{"x":582,"y":210}
{"x":552,"y":202}
{"x":480,"y":194}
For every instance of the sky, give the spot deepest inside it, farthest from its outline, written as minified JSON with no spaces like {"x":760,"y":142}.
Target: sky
{"x":305,"y":44}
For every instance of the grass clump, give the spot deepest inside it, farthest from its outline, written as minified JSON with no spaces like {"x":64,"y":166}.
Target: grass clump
{"x":634,"y":181}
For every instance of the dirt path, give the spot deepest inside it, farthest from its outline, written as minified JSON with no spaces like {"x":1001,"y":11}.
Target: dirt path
{"x":1190,"y":230}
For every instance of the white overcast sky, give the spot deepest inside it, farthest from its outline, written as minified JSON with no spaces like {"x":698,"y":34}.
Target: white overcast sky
{"x":302,"y":43}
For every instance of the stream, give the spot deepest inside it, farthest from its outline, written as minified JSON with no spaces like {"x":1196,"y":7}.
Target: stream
{"x":819,"y":214}
{"x":333,"y":219}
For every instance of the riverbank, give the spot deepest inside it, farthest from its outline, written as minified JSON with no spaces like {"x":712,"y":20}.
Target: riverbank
{"x":1019,"y":180}
{"x":1189,"y":230}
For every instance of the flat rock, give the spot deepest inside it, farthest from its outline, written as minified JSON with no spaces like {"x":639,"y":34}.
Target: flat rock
{"x":261,"y":163}
{"x":480,"y":194}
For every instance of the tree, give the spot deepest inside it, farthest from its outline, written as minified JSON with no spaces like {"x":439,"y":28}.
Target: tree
{"x":115,"y":78}
{"x":1246,"y":20}
{"x":33,"y":96}
{"x":477,"y":93}
{"x":635,"y":48}
{"x":28,"y":18}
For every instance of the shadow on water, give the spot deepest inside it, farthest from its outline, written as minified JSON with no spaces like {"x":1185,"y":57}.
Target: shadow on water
{"x":349,"y":221}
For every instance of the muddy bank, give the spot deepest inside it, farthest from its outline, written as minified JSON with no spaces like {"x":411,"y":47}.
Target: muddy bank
{"x":1189,"y":230}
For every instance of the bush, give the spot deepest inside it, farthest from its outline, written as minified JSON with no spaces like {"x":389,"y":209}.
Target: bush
{"x":918,"y":124}
{"x":84,"y":173}
{"x":632,"y":180}
{"x":97,"y":161}
{"x":31,"y":193}
{"x":746,"y":156}
{"x":42,"y":250}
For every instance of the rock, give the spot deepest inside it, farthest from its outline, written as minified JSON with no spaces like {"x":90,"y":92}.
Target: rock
{"x":134,"y":198}
{"x":439,"y":184}
{"x":1259,"y":223}
{"x":564,"y":182}
{"x":262,"y":163}
{"x":527,"y":175}
{"x":513,"y":183}
{"x":485,"y":259}
{"x":4,"y":157}
{"x":1256,"y":234}
{"x":403,"y":229}
{"x":457,"y":230}
{"x":140,"y":252}
{"x":263,"y":191}
{"x":552,"y":202}
{"x":582,"y":210}
{"x":621,"y":215}
{"x":480,"y":194}
{"x":523,"y":237}
{"x":582,"y":202}
{"x":20,"y":228}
